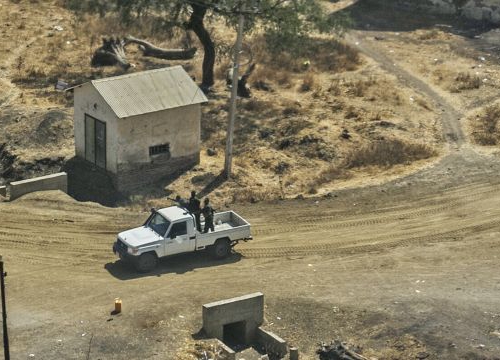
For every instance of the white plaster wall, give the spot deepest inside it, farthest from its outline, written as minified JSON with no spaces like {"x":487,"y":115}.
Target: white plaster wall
{"x":85,"y":97}
{"x":180,"y":127}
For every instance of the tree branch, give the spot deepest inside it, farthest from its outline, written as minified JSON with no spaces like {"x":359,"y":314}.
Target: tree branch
{"x":149,"y":49}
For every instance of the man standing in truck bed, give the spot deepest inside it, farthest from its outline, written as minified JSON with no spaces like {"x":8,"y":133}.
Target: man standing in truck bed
{"x":208,"y":214}
{"x":195,"y":209}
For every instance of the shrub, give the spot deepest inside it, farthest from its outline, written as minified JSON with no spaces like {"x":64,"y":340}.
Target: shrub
{"x":465,"y":81}
{"x":308,"y":82}
{"x":387,"y":153}
{"x":485,"y":130}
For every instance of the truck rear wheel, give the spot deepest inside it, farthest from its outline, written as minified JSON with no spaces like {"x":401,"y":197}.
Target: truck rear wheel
{"x":146,"y":262}
{"x":221,"y":249}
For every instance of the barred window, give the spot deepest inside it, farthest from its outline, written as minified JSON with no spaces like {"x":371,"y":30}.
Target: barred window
{"x":159,"y":149}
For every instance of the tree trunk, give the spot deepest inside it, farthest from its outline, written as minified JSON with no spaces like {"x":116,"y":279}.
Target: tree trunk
{"x":195,"y":23}
{"x":111,"y":53}
{"x":149,"y":49}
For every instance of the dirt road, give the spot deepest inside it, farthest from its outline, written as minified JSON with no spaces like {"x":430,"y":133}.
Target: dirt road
{"x":406,"y":269}
{"x":400,"y":269}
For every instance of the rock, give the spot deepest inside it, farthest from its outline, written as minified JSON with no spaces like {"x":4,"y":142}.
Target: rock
{"x":211,"y":152}
{"x":345,"y":134}
{"x":262,"y":85}
{"x":422,"y":355}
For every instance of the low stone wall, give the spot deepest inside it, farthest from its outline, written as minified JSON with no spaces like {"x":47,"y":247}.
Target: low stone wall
{"x":272,"y":343}
{"x":227,"y":352}
{"x":57,"y":181}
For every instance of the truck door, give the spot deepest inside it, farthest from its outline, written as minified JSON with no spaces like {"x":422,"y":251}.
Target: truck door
{"x":178,"y":239}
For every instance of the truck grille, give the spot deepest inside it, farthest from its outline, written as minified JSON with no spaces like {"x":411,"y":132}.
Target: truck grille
{"x":121,"y":248}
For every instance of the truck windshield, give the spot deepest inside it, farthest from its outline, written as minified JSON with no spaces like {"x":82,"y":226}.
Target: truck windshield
{"x":158,"y":224}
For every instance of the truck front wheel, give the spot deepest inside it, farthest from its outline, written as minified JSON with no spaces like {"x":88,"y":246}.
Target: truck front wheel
{"x":146,"y":262}
{"x":221,"y":249}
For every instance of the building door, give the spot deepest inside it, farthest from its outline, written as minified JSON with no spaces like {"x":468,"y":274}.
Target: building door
{"x":95,"y":141}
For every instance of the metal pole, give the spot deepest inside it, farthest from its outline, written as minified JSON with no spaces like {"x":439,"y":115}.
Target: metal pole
{"x":4,"y":312}
{"x":234,"y":92}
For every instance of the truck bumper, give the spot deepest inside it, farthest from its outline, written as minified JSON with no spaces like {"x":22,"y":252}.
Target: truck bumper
{"x":122,"y":253}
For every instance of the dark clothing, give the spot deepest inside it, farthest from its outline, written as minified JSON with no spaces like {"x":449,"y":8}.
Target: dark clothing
{"x":197,"y":218}
{"x":195,"y":209}
{"x":208,"y":214}
{"x":194,"y":205}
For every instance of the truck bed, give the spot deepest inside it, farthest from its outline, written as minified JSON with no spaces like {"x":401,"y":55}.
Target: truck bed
{"x":227,"y":224}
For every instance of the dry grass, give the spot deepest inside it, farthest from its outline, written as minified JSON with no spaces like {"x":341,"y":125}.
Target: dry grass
{"x":320,"y":55}
{"x":422,"y":103}
{"x":428,"y":34}
{"x":388,"y":152}
{"x":333,"y":172}
{"x":359,"y":87}
{"x":382,"y":153}
{"x":256,"y":194}
{"x":208,"y":349}
{"x":258,"y":106}
{"x":465,"y":81}
{"x":309,"y":83}
{"x":485,"y":127}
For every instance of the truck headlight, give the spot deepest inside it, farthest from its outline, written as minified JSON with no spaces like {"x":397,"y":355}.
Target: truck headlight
{"x":132,"y":250}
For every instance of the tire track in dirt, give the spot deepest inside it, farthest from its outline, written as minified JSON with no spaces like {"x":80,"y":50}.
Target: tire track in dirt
{"x":326,"y":221}
{"x":338,"y":249}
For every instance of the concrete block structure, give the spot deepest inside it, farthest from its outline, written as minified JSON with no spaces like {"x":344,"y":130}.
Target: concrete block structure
{"x":139,"y":128}
{"x":57,"y":181}
{"x":3,"y":191}
{"x":271,"y":342}
{"x":234,"y":320}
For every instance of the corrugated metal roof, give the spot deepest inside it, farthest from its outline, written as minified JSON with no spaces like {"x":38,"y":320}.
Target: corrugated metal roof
{"x":149,"y":91}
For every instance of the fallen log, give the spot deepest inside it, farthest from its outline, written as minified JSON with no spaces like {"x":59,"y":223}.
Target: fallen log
{"x":337,"y":351}
{"x":111,"y":53}
{"x":149,"y":49}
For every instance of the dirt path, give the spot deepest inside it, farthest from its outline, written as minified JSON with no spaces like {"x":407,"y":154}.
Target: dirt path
{"x":450,"y":117}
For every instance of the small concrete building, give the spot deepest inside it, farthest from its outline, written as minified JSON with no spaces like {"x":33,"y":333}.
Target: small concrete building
{"x":139,"y":127}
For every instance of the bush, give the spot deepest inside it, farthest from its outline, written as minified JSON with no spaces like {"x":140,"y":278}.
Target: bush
{"x":387,"y":153}
{"x":308,"y":83}
{"x":384,"y":153}
{"x":465,"y":81}
{"x":485,"y":130}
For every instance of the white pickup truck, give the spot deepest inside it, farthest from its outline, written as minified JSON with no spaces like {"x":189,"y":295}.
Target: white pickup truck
{"x":172,"y":230}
